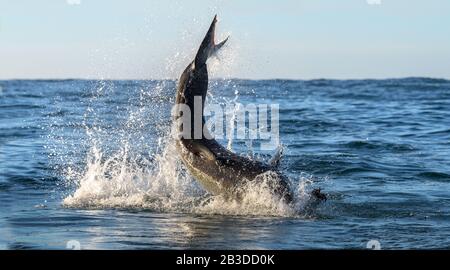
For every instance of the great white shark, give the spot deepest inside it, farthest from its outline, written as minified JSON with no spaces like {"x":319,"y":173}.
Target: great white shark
{"x":218,"y":170}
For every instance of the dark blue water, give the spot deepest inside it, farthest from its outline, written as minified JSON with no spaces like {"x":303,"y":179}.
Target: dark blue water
{"x":88,"y":161}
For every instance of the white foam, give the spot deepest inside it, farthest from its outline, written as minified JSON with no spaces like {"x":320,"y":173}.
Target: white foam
{"x":162,"y":185}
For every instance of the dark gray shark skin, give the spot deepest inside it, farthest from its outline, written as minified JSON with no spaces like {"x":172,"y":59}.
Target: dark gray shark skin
{"x":219,"y":170}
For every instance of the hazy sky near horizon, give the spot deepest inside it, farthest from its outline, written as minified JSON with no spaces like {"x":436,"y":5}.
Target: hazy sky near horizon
{"x":294,"y":39}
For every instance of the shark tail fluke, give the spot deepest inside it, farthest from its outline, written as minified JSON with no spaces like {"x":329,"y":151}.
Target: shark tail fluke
{"x":208,"y":47}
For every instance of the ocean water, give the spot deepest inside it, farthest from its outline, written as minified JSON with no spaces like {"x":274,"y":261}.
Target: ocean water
{"x":93,"y":162}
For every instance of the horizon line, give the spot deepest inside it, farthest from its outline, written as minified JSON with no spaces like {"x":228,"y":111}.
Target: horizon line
{"x":225,"y":78}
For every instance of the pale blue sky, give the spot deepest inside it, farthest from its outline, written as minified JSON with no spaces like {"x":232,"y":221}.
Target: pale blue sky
{"x":139,"y":39}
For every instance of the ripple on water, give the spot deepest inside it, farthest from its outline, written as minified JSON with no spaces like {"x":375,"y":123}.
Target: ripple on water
{"x":434,"y":176}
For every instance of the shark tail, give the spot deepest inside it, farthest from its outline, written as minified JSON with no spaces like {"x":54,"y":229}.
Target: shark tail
{"x":208,"y":47}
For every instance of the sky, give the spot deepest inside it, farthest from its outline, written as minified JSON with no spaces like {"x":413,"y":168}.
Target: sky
{"x":291,"y":39}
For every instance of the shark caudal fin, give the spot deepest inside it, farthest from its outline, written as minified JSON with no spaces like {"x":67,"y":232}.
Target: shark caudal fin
{"x":208,"y":46}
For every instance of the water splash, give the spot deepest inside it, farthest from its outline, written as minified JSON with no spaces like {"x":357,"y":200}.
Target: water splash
{"x":125,"y":167}
{"x":161,"y":184}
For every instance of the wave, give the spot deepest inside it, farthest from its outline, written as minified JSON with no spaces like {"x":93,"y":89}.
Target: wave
{"x":435,"y":176}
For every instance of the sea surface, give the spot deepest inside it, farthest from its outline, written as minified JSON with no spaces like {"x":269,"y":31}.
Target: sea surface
{"x":90,"y":164}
